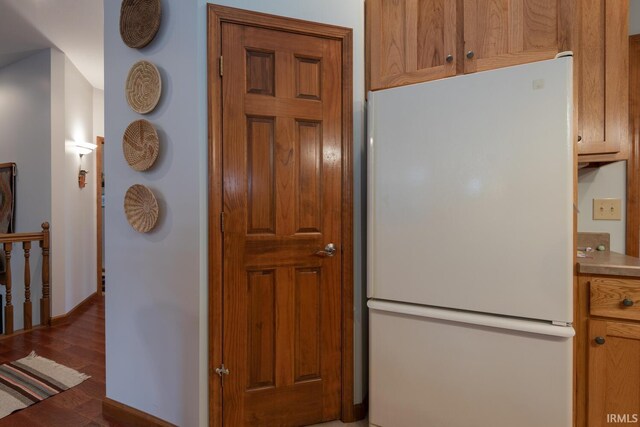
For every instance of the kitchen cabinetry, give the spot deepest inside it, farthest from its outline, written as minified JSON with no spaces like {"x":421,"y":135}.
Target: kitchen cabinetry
{"x":602,"y":62}
{"x":608,"y":351}
{"x":410,"y":41}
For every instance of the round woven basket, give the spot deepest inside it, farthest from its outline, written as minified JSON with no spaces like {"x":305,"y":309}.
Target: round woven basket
{"x":141,"y":208}
{"x":140,"y":145}
{"x":144,"y":87}
{"x":139,"y":21}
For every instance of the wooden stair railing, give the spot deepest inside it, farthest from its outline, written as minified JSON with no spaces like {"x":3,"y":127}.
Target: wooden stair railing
{"x":26,"y":238}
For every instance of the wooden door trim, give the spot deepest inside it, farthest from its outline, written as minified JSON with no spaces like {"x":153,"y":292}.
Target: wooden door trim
{"x":99,"y":219}
{"x":216,"y":16}
{"x":633,"y":164}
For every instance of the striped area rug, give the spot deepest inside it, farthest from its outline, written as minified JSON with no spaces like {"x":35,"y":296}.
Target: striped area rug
{"x":32,"y":379}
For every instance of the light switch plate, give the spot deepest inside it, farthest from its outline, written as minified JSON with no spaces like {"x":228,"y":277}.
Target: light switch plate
{"x":607,"y":209}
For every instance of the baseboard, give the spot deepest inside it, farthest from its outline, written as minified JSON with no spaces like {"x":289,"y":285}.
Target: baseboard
{"x":63,"y":319}
{"x":131,"y":417}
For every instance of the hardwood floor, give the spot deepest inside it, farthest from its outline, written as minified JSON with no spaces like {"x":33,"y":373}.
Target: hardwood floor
{"x":79,"y":345}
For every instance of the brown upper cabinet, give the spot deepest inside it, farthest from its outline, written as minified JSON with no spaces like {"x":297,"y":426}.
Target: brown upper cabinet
{"x":411,"y":41}
{"x":603,"y":80}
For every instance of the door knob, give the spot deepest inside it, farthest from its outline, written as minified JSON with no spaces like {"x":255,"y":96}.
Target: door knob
{"x":627,"y":302}
{"x":449,"y":58}
{"x":600,"y":340}
{"x":470,"y":54}
{"x":328,"y":251}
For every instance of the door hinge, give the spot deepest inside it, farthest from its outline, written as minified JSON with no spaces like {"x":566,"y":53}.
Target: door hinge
{"x":221,"y":66}
{"x":222,"y":371}
{"x":222,"y":221}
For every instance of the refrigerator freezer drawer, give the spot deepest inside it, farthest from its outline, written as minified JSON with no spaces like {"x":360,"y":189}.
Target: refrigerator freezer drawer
{"x":427,"y":371}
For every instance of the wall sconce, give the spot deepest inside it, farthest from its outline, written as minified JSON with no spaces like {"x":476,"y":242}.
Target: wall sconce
{"x":83,"y":148}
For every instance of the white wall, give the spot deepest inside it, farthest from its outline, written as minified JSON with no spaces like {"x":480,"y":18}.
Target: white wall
{"x":58,"y":178}
{"x":156,"y":283}
{"x":25,"y":137}
{"x":98,"y":130}
{"x":609,"y":181}
{"x":79,"y":205}
{"x":634,"y":17}
{"x":156,"y":320}
{"x":45,"y":101}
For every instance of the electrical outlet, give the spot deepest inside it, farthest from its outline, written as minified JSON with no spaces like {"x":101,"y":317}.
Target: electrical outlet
{"x":607,"y":209}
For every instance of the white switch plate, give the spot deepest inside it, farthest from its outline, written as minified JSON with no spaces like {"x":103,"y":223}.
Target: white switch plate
{"x":607,"y":209}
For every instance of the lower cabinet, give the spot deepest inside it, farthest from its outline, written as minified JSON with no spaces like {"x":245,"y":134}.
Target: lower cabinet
{"x":607,"y":351}
{"x":614,"y":373}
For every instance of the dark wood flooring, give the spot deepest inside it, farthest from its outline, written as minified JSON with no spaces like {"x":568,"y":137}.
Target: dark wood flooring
{"x":79,"y":345}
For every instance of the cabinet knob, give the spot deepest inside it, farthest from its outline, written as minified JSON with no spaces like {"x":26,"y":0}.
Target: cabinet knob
{"x":579,"y":138}
{"x":449,"y":58}
{"x":627,"y":302}
{"x":470,"y":54}
{"x":600,"y":340}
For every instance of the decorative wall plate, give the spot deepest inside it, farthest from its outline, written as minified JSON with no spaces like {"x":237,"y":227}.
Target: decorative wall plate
{"x":139,"y":21}
{"x":141,"y":208}
{"x":144,"y":87}
{"x":140,"y":145}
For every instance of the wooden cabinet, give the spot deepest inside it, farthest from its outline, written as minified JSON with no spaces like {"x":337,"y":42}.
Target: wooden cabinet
{"x":602,"y":62}
{"x":509,"y":32}
{"x":607,"y":357}
{"x":614,"y":373}
{"x":410,"y":41}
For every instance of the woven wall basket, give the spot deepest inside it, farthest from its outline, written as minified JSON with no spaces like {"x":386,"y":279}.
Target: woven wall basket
{"x":144,"y":87}
{"x":141,"y":208}
{"x":140,"y":145}
{"x":139,"y":21}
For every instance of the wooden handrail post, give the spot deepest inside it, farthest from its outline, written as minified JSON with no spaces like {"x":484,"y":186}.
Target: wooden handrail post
{"x":28,"y":322}
{"x":45,"y":308}
{"x":8,"y":308}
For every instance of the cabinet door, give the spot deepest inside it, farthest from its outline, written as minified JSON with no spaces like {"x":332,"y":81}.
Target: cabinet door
{"x":603,"y":61}
{"x":614,"y":373}
{"x":410,"y":41}
{"x":500,"y":33}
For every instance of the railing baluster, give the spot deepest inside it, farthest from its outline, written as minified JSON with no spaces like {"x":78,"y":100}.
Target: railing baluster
{"x":28,"y":323}
{"x":8,"y":308}
{"x":45,"y":308}
{"x":8,"y":239}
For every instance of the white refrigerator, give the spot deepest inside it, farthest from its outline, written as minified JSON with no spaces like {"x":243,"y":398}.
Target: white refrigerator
{"x":470,"y":250}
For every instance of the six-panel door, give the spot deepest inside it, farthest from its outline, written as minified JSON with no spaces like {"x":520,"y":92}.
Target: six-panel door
{"x":282,"y":138}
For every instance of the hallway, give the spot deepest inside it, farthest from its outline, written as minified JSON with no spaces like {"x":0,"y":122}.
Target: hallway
{"x":79,"y":345}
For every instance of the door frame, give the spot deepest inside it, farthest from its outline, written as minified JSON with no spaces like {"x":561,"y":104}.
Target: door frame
{"x":217,"y":15}
{"x":99,"y":219}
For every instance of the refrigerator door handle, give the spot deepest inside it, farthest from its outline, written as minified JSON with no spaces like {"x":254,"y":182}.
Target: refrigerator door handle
{"x":499,"y":322}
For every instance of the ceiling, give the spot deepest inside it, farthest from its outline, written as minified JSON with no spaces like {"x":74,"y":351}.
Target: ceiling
{"x":73,"y":26}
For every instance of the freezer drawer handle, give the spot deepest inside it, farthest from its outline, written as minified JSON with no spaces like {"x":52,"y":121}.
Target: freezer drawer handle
{"x":600,"y":340}
{"x":627,"y":302}
{"x":329,"y":251}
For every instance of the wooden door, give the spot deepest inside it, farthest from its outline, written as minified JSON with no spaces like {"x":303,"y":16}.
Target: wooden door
{"x":603,"y":77}
{"x":501,"y":33}
{"x":614,"y":373}
{"x":282,"y":139}
{"x":410,"y":41}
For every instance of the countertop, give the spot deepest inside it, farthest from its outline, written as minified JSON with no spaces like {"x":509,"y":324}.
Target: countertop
{"x":609,"y":263}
